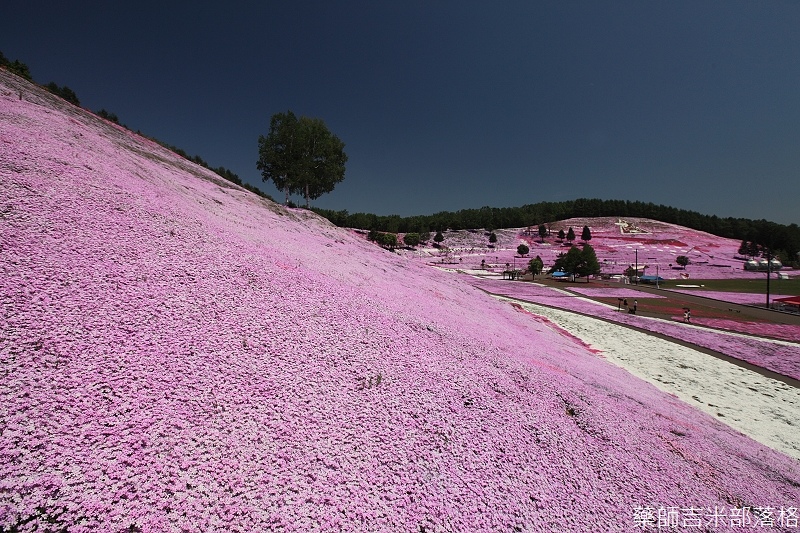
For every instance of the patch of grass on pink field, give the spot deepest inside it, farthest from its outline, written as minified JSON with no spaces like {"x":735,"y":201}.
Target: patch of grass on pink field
{"x":743,"y":298}
{"x":789,"y":287}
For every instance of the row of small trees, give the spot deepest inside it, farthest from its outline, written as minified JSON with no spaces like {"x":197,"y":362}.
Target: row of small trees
{"x":389,"y":240}
{"x":753,"y":249}
{"x":21,"y":69}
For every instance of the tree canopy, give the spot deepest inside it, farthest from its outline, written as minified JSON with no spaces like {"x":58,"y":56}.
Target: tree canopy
{"x":586,"y":234}
{"x":301,"y":156}
{"x":536,"y":265}
{"x":578,"y":262}
{"x":411,"y":239}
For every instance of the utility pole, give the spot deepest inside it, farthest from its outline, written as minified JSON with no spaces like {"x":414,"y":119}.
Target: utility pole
{"x":769,"y":271}
{"x":636,"y":273}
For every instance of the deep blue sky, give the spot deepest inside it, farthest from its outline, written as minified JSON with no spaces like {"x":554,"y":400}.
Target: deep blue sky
{"x":457,"y":104}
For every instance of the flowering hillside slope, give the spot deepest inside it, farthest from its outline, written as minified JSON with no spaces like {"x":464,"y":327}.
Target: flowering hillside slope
{"x":177,"y":354}
{"x":619,"y":244}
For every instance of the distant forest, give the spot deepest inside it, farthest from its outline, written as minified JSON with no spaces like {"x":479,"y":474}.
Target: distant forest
{"x":783,"y":240}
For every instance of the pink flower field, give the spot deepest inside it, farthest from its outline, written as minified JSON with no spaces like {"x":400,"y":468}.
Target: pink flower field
{"x":655,"y":245}
{"x":179,"y":355}
{"x":783,"y":358}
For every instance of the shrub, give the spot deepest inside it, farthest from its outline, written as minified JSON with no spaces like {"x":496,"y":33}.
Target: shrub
{"x":411,"y":239}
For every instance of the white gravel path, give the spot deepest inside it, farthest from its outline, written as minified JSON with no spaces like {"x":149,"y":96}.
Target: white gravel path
{"x":762,"y":408}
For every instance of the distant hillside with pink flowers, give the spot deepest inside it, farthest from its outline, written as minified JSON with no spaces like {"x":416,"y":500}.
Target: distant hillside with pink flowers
{"x":178,"y":354}
{"x":619,"y":242}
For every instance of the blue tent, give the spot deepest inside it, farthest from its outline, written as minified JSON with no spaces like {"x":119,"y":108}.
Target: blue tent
{"x":650,"y":279}
{"x":559,"y":274}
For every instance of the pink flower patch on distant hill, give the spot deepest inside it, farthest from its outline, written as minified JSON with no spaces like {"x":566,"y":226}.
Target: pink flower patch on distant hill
{"x":788,"y":332}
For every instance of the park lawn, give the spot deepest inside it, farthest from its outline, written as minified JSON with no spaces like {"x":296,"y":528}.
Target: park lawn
{"x":776,"y":286}
{"x":668,"y":309}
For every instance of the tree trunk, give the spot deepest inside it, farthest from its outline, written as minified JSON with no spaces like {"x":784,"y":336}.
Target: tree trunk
{"x":306,"y":195}
{"x":287,"y":195}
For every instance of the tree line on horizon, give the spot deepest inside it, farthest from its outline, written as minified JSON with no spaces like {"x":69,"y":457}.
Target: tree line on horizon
{"x":782,"y":240}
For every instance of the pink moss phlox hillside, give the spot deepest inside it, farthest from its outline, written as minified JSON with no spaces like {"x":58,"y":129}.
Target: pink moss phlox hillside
{"x":553,"y":325}
{"x":778,"y":357}
{"x":180,"y":355}
{"x":787,"y":332}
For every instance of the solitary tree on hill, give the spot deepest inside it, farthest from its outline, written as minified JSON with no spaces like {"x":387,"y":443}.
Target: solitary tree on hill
{"x":586,"y":235}
{"x":492,"y":238}
{"x":542,"y":232}
{"x":561,"y":235}
{"x":438,"y":238}
{"x":570,"y":235}
{"x":523,"y":249}
{"x":301,"y":156}
{"x":682,"y":260}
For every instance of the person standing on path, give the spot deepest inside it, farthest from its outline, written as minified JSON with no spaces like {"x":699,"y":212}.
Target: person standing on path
{"x":635,"y":304}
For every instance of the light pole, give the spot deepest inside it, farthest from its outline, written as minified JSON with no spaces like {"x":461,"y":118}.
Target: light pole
{"x":656,"y":275}
{"x":636,"y":273}
{"x":769,"y":267}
